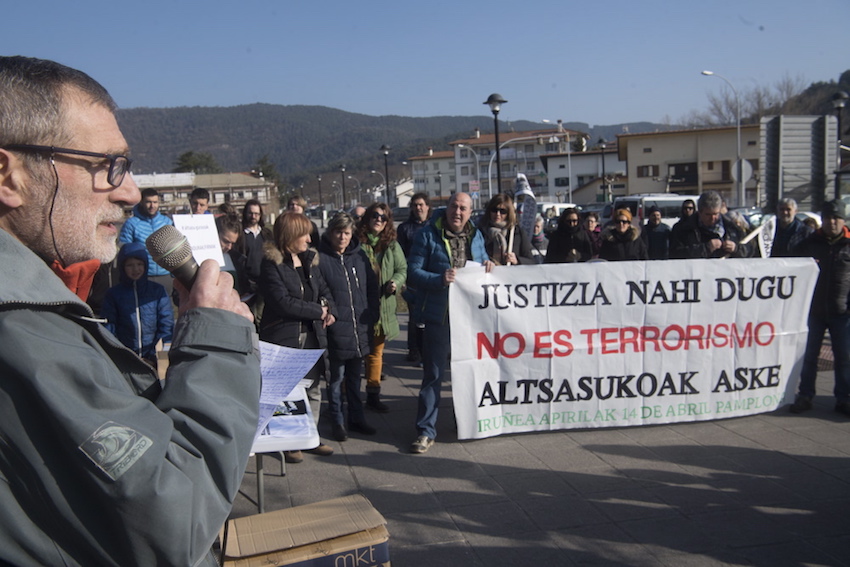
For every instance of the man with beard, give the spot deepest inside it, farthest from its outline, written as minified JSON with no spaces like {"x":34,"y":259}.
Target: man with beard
{"x":103,"y":464}
{"x":145,"y":221}
{"x":790,"y":231}
{"x":570,"y":242}
{"x":656,"y":235}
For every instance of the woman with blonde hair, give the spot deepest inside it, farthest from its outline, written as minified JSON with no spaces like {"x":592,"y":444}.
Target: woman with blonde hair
{"x":298,"y":304}
{"x":377,"y":237}
{"x":506,"y":243}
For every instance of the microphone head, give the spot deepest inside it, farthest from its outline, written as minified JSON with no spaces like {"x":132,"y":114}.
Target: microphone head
{"x":169,"y":248}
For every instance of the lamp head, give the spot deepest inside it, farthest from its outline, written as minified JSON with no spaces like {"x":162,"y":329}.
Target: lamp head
{"x":708,"y":73}
{"x":495,"y":102}
{"x":839,"y":100}
{"x":385,"y":149}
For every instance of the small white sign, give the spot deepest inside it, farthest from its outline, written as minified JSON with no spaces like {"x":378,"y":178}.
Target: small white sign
{"x":202,"y":235}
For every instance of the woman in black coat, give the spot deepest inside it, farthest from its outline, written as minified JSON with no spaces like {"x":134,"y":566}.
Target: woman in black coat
{"x":569,"y":242}
{"x":354,"y":288}
{"x":621,"y":240}
{"x":298,"y":306}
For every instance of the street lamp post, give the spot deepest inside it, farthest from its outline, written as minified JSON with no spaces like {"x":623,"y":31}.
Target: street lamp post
{"x":321,"y":207}
{"x":495,"y":102}
{"x":359,"y":190}
{"x":384,"y":179}
{"x":385,"y":149}
{"x":839,"y":101}
{"x":344,"y":200}
{"x":739,"y":172}
{"x":602,"y":143}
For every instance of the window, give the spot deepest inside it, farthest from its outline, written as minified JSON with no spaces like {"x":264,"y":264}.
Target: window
{"x":464,"y":170}
{"x":709,"y":166}
{"x":647,"y":171}
{"x":529,"y":149}
{"x":464,"y":187}
{"x":435,"y":166}
{"x":562,"y":166}
{"x":647,"y":150}
{"x":551,"y":148}
{"x":438,"y":179}
{"x":562,"y":182}
{"x":464,"y":153}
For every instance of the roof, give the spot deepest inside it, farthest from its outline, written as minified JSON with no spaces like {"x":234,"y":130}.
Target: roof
{"x":447,"y":154}
{"x":490,"y":139}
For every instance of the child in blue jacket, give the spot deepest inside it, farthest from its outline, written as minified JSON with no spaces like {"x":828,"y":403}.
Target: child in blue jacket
{"x":138,"y":311}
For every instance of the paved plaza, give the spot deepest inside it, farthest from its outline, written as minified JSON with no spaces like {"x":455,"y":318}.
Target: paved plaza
{"x":771,"y":489}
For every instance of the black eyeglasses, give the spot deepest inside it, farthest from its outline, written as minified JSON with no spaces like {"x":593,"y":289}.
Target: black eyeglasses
{"x":119,"y":165}
{"x":379,"y":217}
{"x":624,"y":221}
{"x":499,"y":211}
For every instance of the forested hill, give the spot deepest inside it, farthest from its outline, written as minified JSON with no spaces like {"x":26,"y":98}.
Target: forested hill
{"x":299,"y":139}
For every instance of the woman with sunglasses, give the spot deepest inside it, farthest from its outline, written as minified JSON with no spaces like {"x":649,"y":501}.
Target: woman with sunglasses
{"x":298,"y":304}
{"x":377,"y":237}
{"x":621,"y":240}
{"x":506,"y":243}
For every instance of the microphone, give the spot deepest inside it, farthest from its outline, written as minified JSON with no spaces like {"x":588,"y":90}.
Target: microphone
{"x":170,"y":249}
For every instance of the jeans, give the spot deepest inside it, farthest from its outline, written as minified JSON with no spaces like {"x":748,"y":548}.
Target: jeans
{"x":347,"y":372}
{"x":435,"y":355}
{"x":839,"y":332}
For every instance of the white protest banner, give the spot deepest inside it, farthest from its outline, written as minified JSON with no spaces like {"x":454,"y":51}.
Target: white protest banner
{"x":612,"y":344}
{"x":202,"y":235}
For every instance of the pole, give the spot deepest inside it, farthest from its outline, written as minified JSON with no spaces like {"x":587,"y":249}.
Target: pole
{"x":321,"y":207}
{"x":498,"y":155}
{"x":344,"y":200}
{"x":739,"y":171}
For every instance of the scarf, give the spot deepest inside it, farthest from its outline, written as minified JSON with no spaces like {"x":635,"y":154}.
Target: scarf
{"x":77,"y":277}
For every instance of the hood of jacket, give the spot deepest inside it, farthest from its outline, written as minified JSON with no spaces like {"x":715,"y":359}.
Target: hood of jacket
{"x":273,"y":253}
{"x":132,"y":250}
{"x":611,"y":234}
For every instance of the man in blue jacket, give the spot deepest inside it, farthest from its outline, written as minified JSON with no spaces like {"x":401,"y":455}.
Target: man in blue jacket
{"x":101,"y":463}
{"x":145,"y":221}
{"x":439,"y":249}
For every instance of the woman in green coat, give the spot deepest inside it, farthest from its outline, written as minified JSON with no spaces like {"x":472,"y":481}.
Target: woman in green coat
{"x":378,"y":239}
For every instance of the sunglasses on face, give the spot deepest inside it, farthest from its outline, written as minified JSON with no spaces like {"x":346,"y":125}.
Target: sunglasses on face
{"x":379,"y":217}
{"x":500,"y":211}
{"x":623,"y":221}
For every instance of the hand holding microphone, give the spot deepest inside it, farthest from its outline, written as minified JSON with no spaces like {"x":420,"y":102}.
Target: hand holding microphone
{"x":199,"y":286}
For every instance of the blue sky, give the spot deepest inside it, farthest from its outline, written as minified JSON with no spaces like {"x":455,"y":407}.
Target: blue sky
{"x":595,"y":62}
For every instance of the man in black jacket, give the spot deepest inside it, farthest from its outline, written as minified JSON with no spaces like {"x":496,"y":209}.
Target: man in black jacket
{"x":420,"y":210}
{"x":708,"y":233}
{"x":830,"y":247}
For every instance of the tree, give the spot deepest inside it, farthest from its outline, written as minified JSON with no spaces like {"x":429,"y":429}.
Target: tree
{"x":200,"y":162}
{"x":265,"y":168}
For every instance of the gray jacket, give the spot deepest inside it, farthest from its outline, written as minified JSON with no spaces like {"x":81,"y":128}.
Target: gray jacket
{"x":100,"y":465}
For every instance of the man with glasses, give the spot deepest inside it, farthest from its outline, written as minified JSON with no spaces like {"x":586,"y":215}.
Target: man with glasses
{"x":102,"y":464}
{"x":708,"y":233}
{"x":145,"y":221}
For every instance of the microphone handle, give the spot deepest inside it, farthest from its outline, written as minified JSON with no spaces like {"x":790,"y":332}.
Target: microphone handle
{"x":186,"y":272}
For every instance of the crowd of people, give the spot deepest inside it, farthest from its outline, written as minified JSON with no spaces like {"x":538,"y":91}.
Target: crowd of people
{"x":105,"y":463}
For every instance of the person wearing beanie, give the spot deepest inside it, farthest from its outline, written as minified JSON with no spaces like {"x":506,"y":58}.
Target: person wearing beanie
{"x":830,"y":248}
{"x":621,"y":240}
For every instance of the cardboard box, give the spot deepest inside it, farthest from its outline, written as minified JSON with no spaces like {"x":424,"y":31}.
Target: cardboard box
{"x":343,"y":532}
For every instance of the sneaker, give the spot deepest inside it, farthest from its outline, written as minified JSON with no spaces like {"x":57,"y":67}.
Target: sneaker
{"x":422,"y":444}
{"x":339,"y":432}
{"x":362,"y":427}
{"x":322,"y":450}
{"x":293,"y":457}
{"x":843,"y":407}
{"x":801,"y":404}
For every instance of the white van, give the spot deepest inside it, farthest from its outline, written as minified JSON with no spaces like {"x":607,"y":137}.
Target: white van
{"x":669,"y":203}
{"x":543,"y":208}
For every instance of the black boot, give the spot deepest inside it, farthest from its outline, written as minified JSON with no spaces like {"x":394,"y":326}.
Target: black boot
{"x":374,"y":403}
